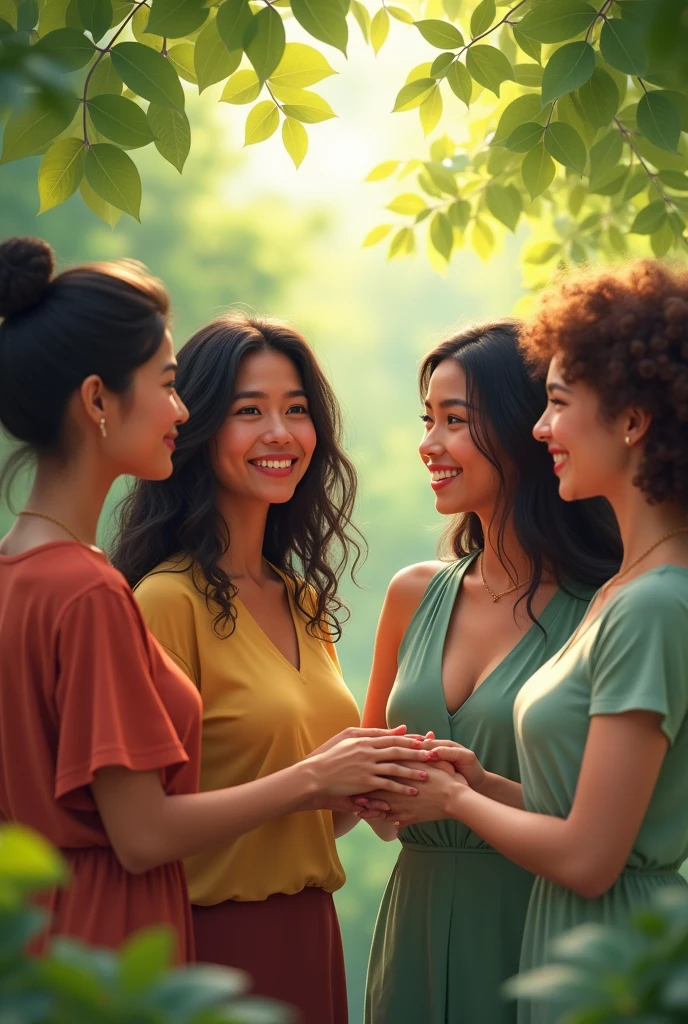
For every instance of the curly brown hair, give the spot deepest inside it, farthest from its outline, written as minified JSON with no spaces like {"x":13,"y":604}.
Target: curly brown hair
{"x":624,"y":331}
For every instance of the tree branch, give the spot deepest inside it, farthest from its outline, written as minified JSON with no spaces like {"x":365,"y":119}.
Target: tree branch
{"x":482,"y":35}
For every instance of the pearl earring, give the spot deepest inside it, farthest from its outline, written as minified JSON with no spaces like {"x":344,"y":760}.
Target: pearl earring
{"x":102,"y":426}
{"x":627,"y":440}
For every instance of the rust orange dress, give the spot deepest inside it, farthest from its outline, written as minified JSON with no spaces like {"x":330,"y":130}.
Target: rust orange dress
{"x":83,"y":685}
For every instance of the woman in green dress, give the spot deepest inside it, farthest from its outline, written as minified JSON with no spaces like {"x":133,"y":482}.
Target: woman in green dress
{"x":455,"y":644}
{"x":602,"y":727}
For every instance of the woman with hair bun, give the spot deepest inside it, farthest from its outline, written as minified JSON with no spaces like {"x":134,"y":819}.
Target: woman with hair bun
{"x":601,"y":815}
{"x":87,"y":388}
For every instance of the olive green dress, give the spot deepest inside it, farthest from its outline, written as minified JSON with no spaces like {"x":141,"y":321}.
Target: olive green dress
{"x":451,"y":921}
{"x":632,"y":656}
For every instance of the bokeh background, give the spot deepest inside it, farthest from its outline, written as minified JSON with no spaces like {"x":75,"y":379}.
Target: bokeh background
{"x":242,"y":227}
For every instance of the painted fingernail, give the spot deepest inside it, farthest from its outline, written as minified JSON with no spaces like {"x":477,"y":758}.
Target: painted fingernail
{"x":423,"y":775}
{"x":417,"y":743}
{"x":414,"y":792}
{"x":431,"y":756}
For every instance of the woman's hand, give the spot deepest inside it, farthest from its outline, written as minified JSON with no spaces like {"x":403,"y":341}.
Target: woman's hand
{"x":463,"y":761}
{"x":353,"y":732}
{"x":432,"y":801}
{"x":359,"y":764}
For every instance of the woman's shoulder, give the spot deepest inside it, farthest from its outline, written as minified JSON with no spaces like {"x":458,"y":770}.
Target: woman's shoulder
{"x":173,"y":577}
{"x":407,"y":587}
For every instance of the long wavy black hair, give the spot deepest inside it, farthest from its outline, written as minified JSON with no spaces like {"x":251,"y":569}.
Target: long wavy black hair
{"x":310,"y":538}
{"x":575,"y":541}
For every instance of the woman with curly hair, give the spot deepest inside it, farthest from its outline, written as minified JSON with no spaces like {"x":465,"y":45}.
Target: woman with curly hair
{"x":235,"y":558}
{"x":601,"y":814}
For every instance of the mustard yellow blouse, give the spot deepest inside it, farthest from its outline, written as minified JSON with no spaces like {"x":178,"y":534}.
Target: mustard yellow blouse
{"x":259,"y":715}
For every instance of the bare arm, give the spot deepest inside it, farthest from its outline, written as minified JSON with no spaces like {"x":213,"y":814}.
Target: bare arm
{"x":147,"y":827}
{"x":587,"y":850}
{"x":401,"y":601}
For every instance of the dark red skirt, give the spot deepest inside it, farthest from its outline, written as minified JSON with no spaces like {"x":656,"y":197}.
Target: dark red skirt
{"x":290,"y":945}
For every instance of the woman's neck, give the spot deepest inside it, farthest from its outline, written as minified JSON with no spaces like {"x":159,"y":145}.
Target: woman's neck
{"x":245,"y":521}
{"x":642,"y":524}
{"x":505,"y":563}
{"x":72,"y":492}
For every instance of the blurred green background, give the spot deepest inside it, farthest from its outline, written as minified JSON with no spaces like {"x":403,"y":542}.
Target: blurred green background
{"x":244,"y":228}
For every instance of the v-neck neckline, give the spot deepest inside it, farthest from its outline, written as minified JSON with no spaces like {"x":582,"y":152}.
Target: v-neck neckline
{"x":294,"y":618}
{"x":457,"y":583}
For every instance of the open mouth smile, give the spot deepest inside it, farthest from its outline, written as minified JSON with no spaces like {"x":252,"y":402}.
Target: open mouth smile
{"x":560,"y":459}
{"x":442,"y":476}
{"x":275,"y":467}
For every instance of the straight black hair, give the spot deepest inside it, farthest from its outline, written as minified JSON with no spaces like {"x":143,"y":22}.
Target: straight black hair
{"x":575,"y":541}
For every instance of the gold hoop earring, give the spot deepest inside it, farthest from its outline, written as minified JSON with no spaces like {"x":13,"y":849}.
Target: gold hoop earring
{"x":103,"y":429}
{"x":627,"y":440}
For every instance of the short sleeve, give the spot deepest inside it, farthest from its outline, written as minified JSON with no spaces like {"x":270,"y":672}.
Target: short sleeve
{"x":168,"y":612}
{"x":639,"y":657}
{"x":108,"y":707}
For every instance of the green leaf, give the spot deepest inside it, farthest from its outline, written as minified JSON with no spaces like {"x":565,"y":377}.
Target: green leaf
{"x":622,"y":45}
{"x":460,"y":82}
{"x":430,"y":111}
{"x":27,"y":15}
{"x":636,"y":184}
{"x":66,"y":45}
{"x":413,"y":94}
{"x":360,"y":13}
{"x":482,"y":239}
{"x":51,"y":15}
{"x":441,"y":64}
{"x":674,"y":180}
{"x":242,"y":87}
{"x":599,"y":98}
{"x":264,"y":42}
{"x":31,"y":127}
{"x":557,"y":20}
{"x":96,"y":17}
{"x":504,"y":203}
{"x":529,"y":46}
{"x":611,"y":182}
{"x":650,"y":219}
{"x":660,"y":158}
{"x":300,"y":66}
{"x":402,"y":244}
{"x":538,"y":170}
{"x":566,"y":146}
{"x":172,"y":134}
{"x":489,"y":67}
{"x":213,"y":62}
{"x":528,"y":75}
{"x":443,"y":178}
{"x":28,"y":861}
{"x":139,"y":28}
{"x":181,"y":57}
{"x":176,"y":18}
{"x":616,"y":239}
{"x":442,"y":235}
{"x":377,"y":234}
{"x":113,"y":175}
{"x":383,"y":170}
{"x":262,"y":122}
{"x":459,"y":214}
{"x":680,"y":101}
{"x":522,"y":109}
{"x":440,"y":34}
{"x":482,"y":17}
{"x":295,"y":139}
{"x":662,"y":239}
{"x":145,"y":958}
{"x":120,"y":120}
{"x":233,"y":19}
{"x":568,"y":68}
{"x":604,"y":156}
{"x":525,"y":137}
{"x":408,"y":204}
{"x":658,"y":120}
{"x":102,"y":209}
{"x":541,"y":252}
{"x":149,"y":75}
{"x":304,"y":105}
{"x":105,"y":79}
{"x":324,"y":20}
{"x":400,"y":14}
{"x":379,"y":29}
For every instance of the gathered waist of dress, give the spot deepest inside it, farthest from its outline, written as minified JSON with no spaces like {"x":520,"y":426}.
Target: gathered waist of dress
{"x":428,"y":848}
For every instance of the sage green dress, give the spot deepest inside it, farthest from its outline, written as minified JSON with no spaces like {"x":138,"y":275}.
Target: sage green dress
{"x":450,"y":926}
{"x":632,"y":656}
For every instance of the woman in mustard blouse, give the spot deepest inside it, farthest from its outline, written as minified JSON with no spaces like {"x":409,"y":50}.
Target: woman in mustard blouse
{"x":236,"y":560}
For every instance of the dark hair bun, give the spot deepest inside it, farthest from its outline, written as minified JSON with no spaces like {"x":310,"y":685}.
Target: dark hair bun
{"x":26,"y":266}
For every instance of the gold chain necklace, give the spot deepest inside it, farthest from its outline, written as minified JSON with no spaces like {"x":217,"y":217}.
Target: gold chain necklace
{"x":42,"y":515}
{"x":671,"y":533}
{"x":497,"y":597}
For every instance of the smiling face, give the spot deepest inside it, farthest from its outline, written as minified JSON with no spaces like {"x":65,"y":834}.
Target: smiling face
{"x":588,"y":452}
{"x":142,"y":424}
{"x":461,"y":477}
{"x":266,"y":443}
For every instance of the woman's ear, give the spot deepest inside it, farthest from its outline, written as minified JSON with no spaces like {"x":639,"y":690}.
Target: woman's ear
{"x":636,"y":423}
